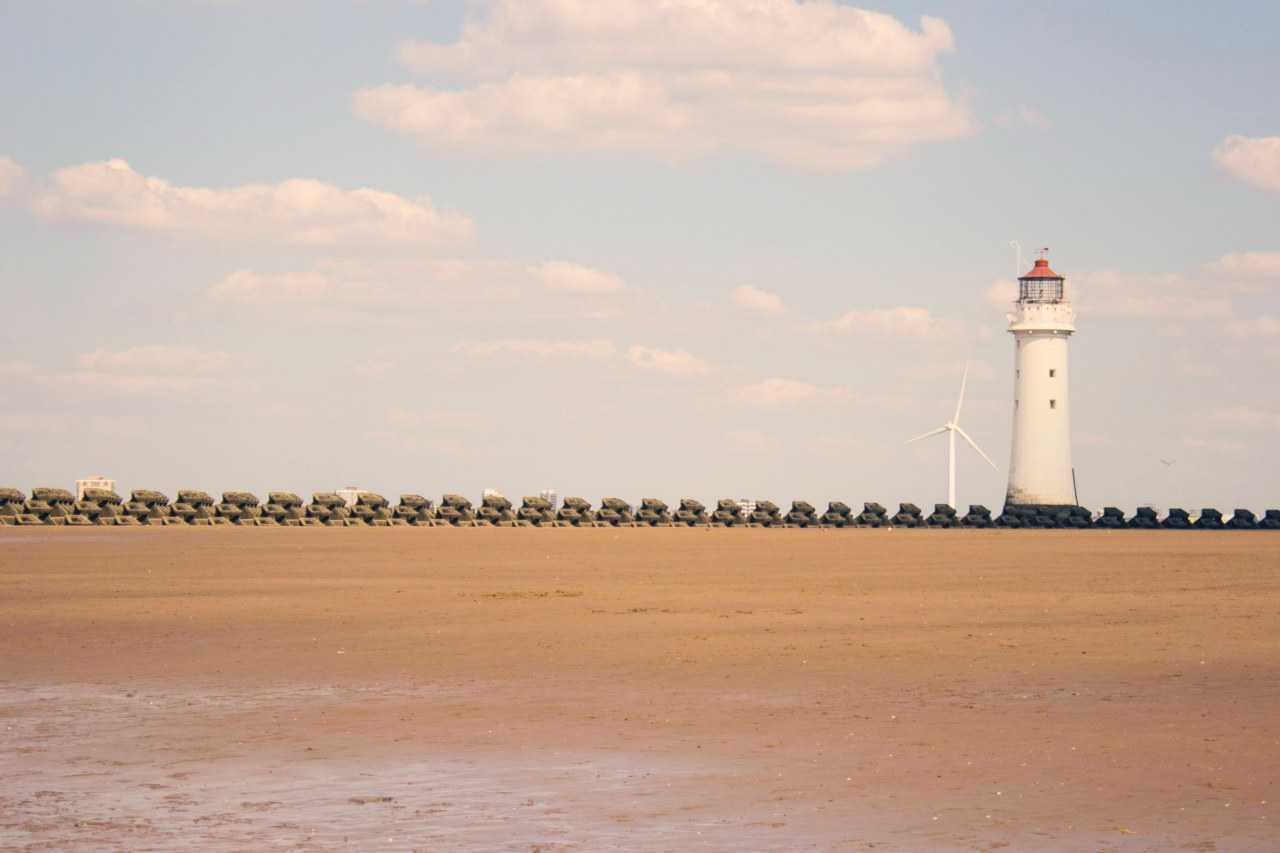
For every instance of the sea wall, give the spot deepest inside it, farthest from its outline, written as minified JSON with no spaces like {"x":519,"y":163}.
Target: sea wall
{"x":99,"y":507}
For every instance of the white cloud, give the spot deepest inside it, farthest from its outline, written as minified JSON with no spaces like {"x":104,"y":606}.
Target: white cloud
{"x":375,"y":366}
{"x":595,"y":349}
{"x":298,"y":211}
{"x":143,"y":371}
{"x":815,"y":84}
{"x":1148,"y":297}
{"x":1002,"y":294}
{"x":1254,"y":160}
{"x":1197,"y":370}
{"x":32,"y":422}
{"x":157,"y":359}
{"x":403,"y":419}
{"x":10,"y":175}
{"x":250,"y":288}
{"x":97,"y":383}
{"x":673,"y":363}
{"x":40,"y":423}
{"x":1246,"y":418}
{"x":779,"y":35}
{"x":900,"y":322}
{"x":1032,"y":117}
{"x":574,"y":278}
{"x":1262,"y":326}
{"x":1247,"y":267}
{"x":1214,"y":445}
{"x":364,"y":285}
{"x":528,"y":113}
{"x":374,"y":286}
{"x":757,"y":301}
{"x":16,"y":370}
{"x":979,"y":370}
{"x":749,"y":442}
{"x":778,"y":393}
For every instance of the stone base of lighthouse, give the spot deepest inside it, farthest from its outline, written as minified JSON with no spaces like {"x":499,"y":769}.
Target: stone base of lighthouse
{"x":1045,"y":515}
{"x":1044,"y":510}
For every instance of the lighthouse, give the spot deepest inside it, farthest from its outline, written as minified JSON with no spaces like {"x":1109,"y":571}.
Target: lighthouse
{"x":1042,"y":323}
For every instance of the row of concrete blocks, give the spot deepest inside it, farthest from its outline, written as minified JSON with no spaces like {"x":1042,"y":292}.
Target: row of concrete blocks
{"x":1146,"y":518}
{"x":48,"y":506}
{"x":1079,"y":518}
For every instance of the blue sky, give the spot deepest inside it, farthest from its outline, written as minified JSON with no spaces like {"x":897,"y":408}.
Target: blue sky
{"x":596,"y":332}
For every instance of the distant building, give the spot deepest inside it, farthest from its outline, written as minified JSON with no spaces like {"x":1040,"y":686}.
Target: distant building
{"x":350,"y":495}
{"x":492,"y":493}
{"x":551,"y":496}
{"x":98,"y":482}
{"x":747,"y":506}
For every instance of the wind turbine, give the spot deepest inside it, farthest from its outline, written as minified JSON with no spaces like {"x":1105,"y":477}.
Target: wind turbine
{"x":952,"y":427}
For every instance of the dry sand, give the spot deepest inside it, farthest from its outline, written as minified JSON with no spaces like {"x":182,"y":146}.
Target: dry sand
{"x":638,"y":689}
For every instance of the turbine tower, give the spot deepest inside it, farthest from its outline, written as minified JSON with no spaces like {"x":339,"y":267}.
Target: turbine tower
{"x":1041,"y":323}
{"x":952,"y":428}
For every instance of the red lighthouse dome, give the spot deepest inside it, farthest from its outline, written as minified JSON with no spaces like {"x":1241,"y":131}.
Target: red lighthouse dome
{"x":1041,"y":270}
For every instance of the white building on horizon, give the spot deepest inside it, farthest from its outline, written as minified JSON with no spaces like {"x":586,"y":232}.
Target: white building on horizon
{"x":98,"y":482}
{"x":350,"y":495}
{"x":1042,"y":323}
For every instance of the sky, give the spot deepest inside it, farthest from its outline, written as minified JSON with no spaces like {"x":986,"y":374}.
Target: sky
{"x":707,"y":248}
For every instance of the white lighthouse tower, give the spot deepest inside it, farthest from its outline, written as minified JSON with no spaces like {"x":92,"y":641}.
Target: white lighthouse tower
{"x":1041,"y":323}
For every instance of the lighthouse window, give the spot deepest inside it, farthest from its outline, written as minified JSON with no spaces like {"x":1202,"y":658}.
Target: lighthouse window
{"x":1040,"y":290}
{"x":1052,"y":373}
{"x":1053,"y":404}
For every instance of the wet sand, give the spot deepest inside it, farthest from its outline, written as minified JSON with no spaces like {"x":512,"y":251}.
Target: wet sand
{"x":638,"y":689}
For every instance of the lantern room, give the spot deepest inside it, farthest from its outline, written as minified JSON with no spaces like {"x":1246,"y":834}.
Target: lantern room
{"x":1042,"y":284}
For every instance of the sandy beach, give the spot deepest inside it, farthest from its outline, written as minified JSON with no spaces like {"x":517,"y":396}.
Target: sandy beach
{"x":543,"y":690}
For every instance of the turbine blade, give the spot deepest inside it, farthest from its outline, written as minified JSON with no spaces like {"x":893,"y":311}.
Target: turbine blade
{"x":975,"y":446}
{"x":963,"y":382}
{"x":938,"y":431}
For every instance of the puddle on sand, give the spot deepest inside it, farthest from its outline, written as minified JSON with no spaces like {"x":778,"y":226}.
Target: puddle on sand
{"x":90,"y":768}
{"x":439,"y":805}
{"x":173,"y":768}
